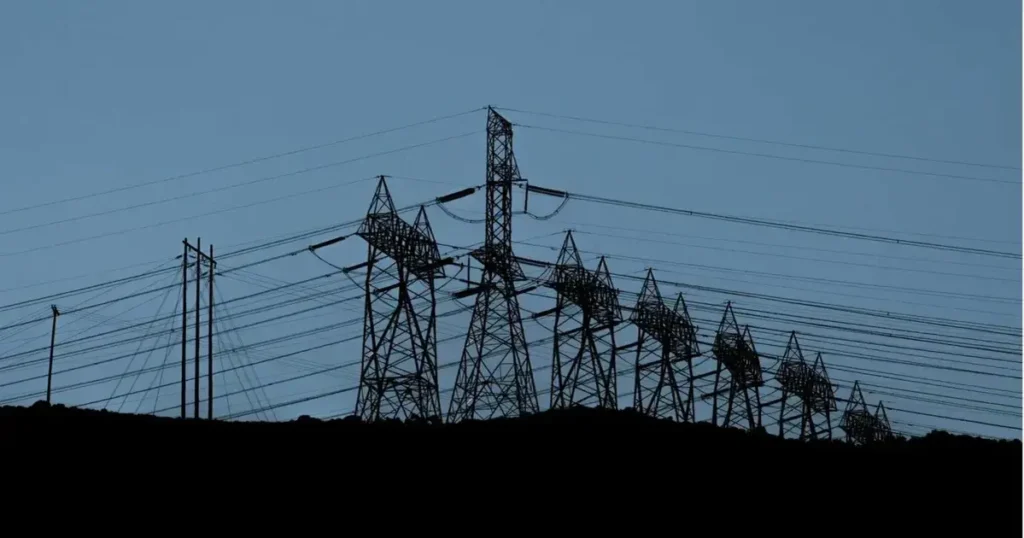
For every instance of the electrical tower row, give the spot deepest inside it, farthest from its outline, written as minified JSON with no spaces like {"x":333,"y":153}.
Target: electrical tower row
{"x":399,"y":378}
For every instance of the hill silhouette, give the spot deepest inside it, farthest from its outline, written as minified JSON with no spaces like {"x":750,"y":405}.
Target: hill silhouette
{"x":617,"y":448}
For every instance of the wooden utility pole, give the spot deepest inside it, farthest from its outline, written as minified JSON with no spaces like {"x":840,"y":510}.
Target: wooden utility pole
{"x":184,"y":322}
{"x":193,"y":253}
{"x":209,"y":341}
{"x":199,"y":273}
{"x":53,"y":336}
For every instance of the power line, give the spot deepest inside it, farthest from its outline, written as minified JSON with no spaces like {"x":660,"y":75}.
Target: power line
{"x":797,"y":247}
{"x":740,"y":309}
{"x":219,"y":319}
{"x":804,"y":258}
{"x":760,"y":140}
{"x":241,"y":163}
{"x":861,"y":356}
{"x":930,"y":320}
{"x":854,"y":284}
{"x":229,"y":332}
{"x":771,"y":156}
{"x":234,"y":208}
{"x":910,"y":318}
{"x":834,"y":352}
{"x":774,"y":224}
{"x":874,"y":358}
{"x":1016,"y":362}
{"x":228,"y":353}
{"x":84,"y":289}
{"x":172,"y":199}
{"x":831,"y":226}
{"x":958,"y":419}
{"x":913,"y":318}
{"x":955,"y":385}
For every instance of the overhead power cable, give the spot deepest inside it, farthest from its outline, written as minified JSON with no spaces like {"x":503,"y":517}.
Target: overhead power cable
{"x":771,"y":156}
{"x":806,"y":258}
{"x":243,"y":206}
{"x":240,"y":163}
{"x":189,"y":339}
{"x":877,"y":358}
{"x":772,"y":224}
{"x":759,"y":140}
{"x":844,"y":252}
{"x":225,"y":353}
{"x":768,"y":275}
{"x":886,"y":314}
{"x":259,"y":246}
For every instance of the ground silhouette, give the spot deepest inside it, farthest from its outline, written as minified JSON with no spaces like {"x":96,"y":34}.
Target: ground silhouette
{"x":620,"y":450}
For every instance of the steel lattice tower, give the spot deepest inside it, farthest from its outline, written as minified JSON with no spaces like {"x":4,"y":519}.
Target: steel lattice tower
{"x":813,"y":390}
{"x":495,"y":378}
{"x":399,"y":363}
{"x":738,"y":375}
{"x":859,"y":425}
{"x":586,"y":315}
{"x":666,"y":346}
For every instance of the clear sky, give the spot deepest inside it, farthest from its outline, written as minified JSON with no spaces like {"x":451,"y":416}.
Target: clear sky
{"x":101,"y":95}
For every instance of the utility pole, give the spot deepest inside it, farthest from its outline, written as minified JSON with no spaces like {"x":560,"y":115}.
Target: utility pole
{"x":199,"y":257}
{"x":199,"y":274}
{"x":184,"y":322}
{"x":209,"y":341}
{"x":53,"y":336}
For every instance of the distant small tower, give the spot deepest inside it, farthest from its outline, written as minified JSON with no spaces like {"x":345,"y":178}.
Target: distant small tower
{"x":810,"y":386}
{"x":738,"y":376}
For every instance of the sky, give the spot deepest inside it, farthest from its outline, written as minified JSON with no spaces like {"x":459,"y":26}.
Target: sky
{"x":110,"y":95}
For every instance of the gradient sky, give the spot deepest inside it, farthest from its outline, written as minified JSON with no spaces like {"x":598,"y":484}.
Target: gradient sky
{"x":107,"y":94}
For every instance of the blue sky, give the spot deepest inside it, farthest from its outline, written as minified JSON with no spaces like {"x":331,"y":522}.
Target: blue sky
{"x":108,"y":94}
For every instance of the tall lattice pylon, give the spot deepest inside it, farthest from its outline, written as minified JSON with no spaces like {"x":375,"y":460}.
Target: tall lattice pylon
{"x":399,"y":364}
{"x":859,"y":424}
{"x":810,"y":386}
{"x":738,"y":375}
{"x":586,"y":315}
{"x":666,"y":346}
{"x":495,"y":378}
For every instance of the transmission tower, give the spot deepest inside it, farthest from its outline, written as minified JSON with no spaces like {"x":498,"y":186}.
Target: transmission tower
{"x":738,"y":375}
{"x":860,"y":426}
{"x":399,"y":364}
{"x":586,"y":315}
{"x":495,"y":378}
{"x":666,"y":346}
{"x":810,"y":386}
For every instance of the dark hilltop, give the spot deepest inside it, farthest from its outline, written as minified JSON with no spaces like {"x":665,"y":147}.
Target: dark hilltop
{"x":620,"y":450}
